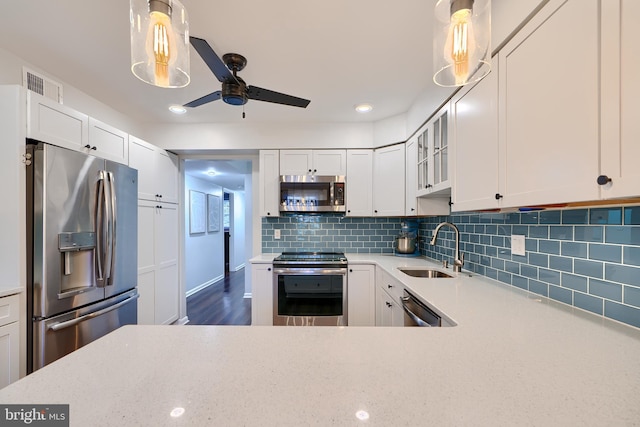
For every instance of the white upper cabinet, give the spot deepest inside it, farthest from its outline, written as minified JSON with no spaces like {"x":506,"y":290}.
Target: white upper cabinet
{"x":433,"y":150}
{"x":549,"y":107}
{"x":359,"y":183}
{"x":389,"y":180}
{"x":620,"y":93}
{"x":57,"y":124}
{"x":313,"y":162}
{"x":269,"y":171}
{"x":157,"y":171}
{"x":474,"y":113}
{"x":108,"y":142}
{"x":414,"y":205}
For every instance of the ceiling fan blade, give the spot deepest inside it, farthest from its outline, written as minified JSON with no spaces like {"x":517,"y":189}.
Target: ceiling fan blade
{"x":213,"y":61}
{"x":260,"y":94}
{"x":205,"y":99}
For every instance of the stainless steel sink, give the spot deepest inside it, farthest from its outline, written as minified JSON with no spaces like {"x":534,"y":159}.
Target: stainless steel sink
{"x":427,"y":273}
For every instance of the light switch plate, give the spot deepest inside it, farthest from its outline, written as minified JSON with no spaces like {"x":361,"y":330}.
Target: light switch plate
{"x":517,"y":245}
{"x":276,"y":234}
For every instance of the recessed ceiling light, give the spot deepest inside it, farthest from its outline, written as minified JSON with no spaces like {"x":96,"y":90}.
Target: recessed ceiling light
{"x":364,"y":108}
{"x":211,"y":173}
{"x":177,"y":109}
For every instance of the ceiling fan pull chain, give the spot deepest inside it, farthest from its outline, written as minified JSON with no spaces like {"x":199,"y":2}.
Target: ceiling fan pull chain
{"x":243,"y":111}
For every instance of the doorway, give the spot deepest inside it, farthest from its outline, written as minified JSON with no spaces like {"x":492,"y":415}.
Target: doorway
{"x":214,"y":261}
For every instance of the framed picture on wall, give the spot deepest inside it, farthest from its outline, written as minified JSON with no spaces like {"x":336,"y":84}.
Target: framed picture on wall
{"x":213,"y":217}
{"x":197,"y":213}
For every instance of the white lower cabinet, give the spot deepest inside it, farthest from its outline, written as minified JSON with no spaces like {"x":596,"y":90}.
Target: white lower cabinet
{"x":388,"y":292}
{"x":261,"y":294}
{"x":158,"y":276}
{"x":361,"y":285}
{"x":9,"y":340}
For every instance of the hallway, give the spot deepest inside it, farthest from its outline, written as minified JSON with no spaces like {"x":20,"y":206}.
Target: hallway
{"x":222,"y":303}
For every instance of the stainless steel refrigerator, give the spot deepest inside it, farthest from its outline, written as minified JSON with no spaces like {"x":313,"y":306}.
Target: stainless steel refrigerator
{"x":82,"y":250}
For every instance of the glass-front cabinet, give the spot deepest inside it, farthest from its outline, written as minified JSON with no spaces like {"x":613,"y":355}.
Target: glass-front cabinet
{"x":433,"y":155}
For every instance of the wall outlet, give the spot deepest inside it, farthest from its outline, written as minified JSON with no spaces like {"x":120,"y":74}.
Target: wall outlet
{"x":276,"y":234}
{"x":517,"y":245}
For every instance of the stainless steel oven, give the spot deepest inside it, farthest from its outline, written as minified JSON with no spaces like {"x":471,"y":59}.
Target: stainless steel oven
{"x":310,"y":289}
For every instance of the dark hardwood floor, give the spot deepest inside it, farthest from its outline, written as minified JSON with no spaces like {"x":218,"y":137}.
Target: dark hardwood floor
{"x":222,"y":303}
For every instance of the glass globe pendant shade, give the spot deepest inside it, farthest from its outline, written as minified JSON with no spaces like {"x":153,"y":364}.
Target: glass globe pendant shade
{"x":160,"y":42}
{"x":461,"y":41}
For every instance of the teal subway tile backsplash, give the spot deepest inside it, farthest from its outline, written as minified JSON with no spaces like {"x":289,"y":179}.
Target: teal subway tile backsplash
{"x":588,"y":258}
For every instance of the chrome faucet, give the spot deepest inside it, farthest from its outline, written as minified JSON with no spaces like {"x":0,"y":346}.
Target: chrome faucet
{"x":458,"y":258}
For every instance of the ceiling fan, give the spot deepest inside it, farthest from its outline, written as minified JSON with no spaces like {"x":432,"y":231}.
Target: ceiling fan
{"x":234,"y":90}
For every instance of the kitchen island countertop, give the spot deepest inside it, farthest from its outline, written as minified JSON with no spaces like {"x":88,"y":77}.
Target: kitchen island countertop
{"x":514,"y":358}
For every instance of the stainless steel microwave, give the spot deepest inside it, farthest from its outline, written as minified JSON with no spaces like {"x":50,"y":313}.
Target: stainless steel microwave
{"x":312,"y":193}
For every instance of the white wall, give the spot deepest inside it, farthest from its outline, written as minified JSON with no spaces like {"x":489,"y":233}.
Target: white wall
{"x":237,"y":256}
{"x":11,"y":73}
{"x":204,"y":252}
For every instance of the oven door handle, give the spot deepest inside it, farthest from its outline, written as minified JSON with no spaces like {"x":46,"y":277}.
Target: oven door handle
{"x":298,"y":271}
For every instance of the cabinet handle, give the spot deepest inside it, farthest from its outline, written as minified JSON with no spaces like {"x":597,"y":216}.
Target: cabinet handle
{"x":87,"y":146}
{"x":349,"y":211}
{"x":428,"y":186}
{"x":498,"y":196}
{"x":94,"y":148}
{"x":159,"y":196}
{"x":412,"y":209}
{"x":309,"y":170}
{"x":389,"y":286}
{"x":603,"y":180}
{"x":269,"y":269}
{"x":388,"y":303}
{"x":375,"y":211}
{"x":351,"y":270}
{"x":315,"y":170}
{"x":158,"y":207}
{"x":268,"y":213}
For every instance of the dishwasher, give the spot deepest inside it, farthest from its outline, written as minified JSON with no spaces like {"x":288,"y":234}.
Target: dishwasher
{"x":416,"y":313}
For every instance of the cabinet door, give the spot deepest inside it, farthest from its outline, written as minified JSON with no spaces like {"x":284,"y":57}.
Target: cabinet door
{"x":388,"y":180}
{"x":361,"y":295}
{"x":620,"y":149}
{"x":330,"y":162}
{"x":440,"y":151}
{"x":296,"y":162}
{"x":475,"y":146}
{"x":269,"y":183}
{"x":108,"y":142}
{"x":142,"y":158}
{"x":167,"y":175}
{"x":383,"y":308}
{"x":55,"y":123}
{"x":9,"y":353}
{"x":166,"y":261}
{"x":261,"y":294}
{"x":359,"y":183}
{"x":549,"y":107}
{"x":425,"y":174}
{"x":411,"y":177}
{"x":146,"y":262}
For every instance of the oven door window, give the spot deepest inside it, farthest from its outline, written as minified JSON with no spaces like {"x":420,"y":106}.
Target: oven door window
{"x":310,"y":295}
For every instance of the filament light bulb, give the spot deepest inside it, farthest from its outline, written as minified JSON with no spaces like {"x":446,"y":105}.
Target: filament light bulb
{"x":159,"y":44}
{"x":461,"y":38}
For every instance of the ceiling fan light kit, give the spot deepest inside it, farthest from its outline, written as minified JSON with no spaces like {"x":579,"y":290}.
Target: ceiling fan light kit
{"x":234,"y":90}
{"x":159,"y":42}
{"x":461,"y":41}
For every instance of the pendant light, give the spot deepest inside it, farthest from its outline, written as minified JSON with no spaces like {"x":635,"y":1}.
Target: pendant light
{"x":461,"y":42}
{"x":160,"y":42}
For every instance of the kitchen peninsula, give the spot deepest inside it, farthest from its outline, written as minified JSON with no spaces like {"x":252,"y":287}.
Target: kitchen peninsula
{"x":514,"y":358}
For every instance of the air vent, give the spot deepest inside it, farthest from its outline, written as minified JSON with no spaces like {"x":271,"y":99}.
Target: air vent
{"x":42,"y":85}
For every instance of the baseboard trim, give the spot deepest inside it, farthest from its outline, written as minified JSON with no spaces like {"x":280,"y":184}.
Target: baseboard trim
{"x":239,"y":267}
{"x":247,"y":295}
{"x":182,"y":321}
{"x":203,"y":286}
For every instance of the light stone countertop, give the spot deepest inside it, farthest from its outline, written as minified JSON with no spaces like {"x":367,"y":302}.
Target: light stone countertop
{"x":513,"y":359}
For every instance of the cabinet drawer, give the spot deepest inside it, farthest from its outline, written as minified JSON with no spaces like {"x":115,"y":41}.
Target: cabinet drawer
{"x":9,"y":309}
{"x":390,"y":285}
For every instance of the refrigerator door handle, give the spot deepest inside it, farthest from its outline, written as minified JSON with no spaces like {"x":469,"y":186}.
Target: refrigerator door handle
{"x":69,"y":323}
{"x":100,"y":200}
{"x":112,"y":226}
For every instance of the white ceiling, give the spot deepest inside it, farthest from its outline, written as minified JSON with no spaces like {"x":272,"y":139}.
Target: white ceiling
{"x":337,"y":53}
{"x":228,"y":174}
